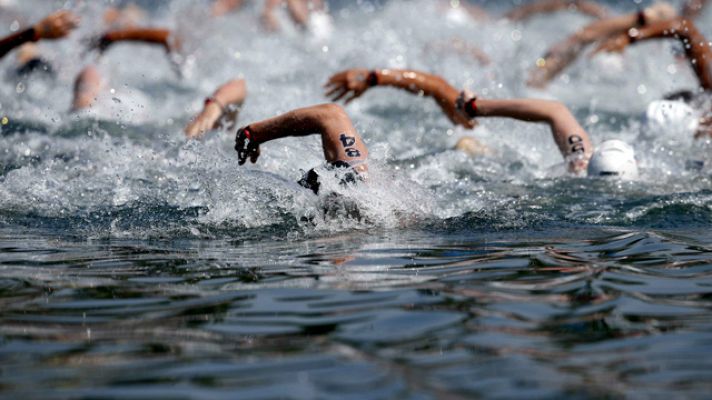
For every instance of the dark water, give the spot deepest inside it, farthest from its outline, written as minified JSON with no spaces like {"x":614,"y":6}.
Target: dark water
{"x":136,"y":265}
{"x":584,"y":313}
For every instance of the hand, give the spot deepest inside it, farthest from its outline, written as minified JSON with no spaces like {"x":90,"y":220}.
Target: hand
{"x":353,"y":82}
{"x":203,"y":122}
{"x":246,"y":146}
{"x":613,"y":44}
{"x":56,"y":25}
{"x":659,"y":12}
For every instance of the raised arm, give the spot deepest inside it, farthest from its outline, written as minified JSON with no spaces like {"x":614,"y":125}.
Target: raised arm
{"x":572,"y":140}
{"x":162,"y":37}
{"x":550,"y":6}
{"x":352,"y":83}
{"x":696,"y":46}
{"x":87,"y":87}
{"x":54,"y":26}
{"x":340,"y":141}
{"x":564,"y":53}
{"x":221,"y":107}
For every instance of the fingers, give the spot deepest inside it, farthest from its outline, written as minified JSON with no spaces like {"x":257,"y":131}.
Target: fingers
{"x":343,"y":93}
{"x":254,"y":155}
{"x":351,"y":98}
{"x":331,"y":92}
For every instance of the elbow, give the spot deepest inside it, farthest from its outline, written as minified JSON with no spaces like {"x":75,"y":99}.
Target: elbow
{"x":329,"y":114}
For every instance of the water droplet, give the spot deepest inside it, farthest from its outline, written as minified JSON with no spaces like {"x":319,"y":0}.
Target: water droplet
{"x":642,"y":89}
{"x":14,"y":26}
{"x":20,"y":88}
{"x":4,"y":121}
{"x":516,"y":35}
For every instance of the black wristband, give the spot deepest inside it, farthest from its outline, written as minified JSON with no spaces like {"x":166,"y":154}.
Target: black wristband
{"x":471,"y":107}
{"x":642,"y":21}
{"x":372,"y":79}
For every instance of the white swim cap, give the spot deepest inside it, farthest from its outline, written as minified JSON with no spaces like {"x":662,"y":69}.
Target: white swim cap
{"x":613,"y":159}
{"x":667,"y":117}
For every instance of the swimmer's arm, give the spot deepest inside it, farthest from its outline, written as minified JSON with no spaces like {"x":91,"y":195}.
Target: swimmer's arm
{"x":571,"y":139}
{"x":54,"y":26}
{"x":299,"y":12}
{"x":269,"y":20}
{"x":352,"y":83}
{"x":564,"y":53}
{"x":162,"y":37}
{"x":340,"y":140}
{"x":425,"y":84}
{"x":550,"y":6}
{"x":87,"y":87}
{"x":693,"y":41}
{"x":223,"y":103}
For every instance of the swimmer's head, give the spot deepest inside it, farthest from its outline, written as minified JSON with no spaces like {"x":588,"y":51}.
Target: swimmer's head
{"x":669,"y":117}
{"x":613,"y":159}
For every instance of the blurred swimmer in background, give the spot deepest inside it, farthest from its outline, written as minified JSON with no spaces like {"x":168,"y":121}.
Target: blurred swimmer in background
{"x":677,"y":106}
{"x":55,"y":26}
{"x":220,"y":110}
{"x":564,"y":53}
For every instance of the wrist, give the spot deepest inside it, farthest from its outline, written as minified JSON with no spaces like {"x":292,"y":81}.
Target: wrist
{"x":215,"y":104}
{"x":32,"y":34}
{"x":641,"y":18}
{"x":372,"y":78}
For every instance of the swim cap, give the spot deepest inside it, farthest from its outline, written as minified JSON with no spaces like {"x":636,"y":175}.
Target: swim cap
{"x":613,"y":158}
{"x":670,"y":117}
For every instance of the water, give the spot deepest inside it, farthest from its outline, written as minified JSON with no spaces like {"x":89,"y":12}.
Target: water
{"x":137,"y":265}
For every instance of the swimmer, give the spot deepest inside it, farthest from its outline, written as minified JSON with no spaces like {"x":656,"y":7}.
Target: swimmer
{"x":463,"y":108}
{"x":697,"y":51}
{"x":30,"y":61}
{"x":54,"y":26}
{"x":564,"y":53}
{"x":344,"y":149}
{"x":220,"y":109}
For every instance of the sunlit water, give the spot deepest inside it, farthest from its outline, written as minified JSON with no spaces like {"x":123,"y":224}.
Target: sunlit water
{"x":138,"y":265}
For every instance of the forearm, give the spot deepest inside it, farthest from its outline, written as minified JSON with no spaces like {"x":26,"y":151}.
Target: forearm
{"x":299,"y":12}
{"x":299,"y":122}
{"x":570,"y":137}
{"x":15,"y":40}
{"x":146,"y":35}
{"x":232,"y":92}
{"x":550,"y":6}
{"x":416,"y":82}
{"x":601,"y":29}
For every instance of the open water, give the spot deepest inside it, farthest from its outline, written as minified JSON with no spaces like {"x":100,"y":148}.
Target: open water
{"x":134,"y":264}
